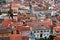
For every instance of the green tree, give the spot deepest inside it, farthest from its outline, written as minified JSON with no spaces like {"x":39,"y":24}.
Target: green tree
{"x":51,"y":37}
{"x":45,"y":38}
{"x":0,"y":12}
{"x":10,"y":14}
{"x":41,"y":39}
{"x":0,"y":2}
{"x":10,"y":11}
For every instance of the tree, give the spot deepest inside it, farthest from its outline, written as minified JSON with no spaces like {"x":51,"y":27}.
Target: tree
{"x":0,"y":12}
{"x":45,"y":38}
{"x":51,"y":37}
{"x":10,"y":13}
{"x":0,"y":1}
{"x":41,"y":39}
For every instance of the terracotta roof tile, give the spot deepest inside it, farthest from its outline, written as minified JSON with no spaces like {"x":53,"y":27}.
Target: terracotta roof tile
{"x":57,"y":38}
{"x":23,"y":28}
{"x":58,"y":19}
{"x":18,"y":37}
{"x":57,"y":25}
{"x":57,"y":29}
{"x":5,"y":23}
{"x":47,"y":21}
{"x":38,"y":1}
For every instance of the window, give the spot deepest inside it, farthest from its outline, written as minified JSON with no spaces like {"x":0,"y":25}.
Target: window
{"x":47,"y":34}
{"x":44,"y":34}
{"x":54,"y":21}
{"x":40,"y":35}
{"x":37,"y":31}
{"x":11,"y":32}
{"x":17,"y":31}
{"x":34,"y":35}
{"x":37,"y":35}
{"x":57,"y":31}
{"x":47,"y":30}
{"x":34,"y":31}
{"x":44,"y":30}
{"x":41,"y":31}
{"x":40,"y":5}
{"x":13,"y":27}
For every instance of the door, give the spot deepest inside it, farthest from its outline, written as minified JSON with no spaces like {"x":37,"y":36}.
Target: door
{"x":40,"y":35}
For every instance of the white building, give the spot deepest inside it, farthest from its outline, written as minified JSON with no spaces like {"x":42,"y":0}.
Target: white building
{"x":41,"y":31}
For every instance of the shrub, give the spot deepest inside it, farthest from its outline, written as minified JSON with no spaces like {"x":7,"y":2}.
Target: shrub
{"x":41,"y":39}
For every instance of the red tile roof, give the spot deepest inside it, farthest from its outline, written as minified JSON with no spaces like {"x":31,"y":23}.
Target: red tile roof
{"x":23,"y":28}
{"x":47,"y":21}
{"x":57,"y":29}
{"x":5,"y":23}
{"x":38,"y":1}
{"x":57,"y":38}
{"x":26,"y":4}
{"x":15,"y":2}
{"x":13,"y":24}
{"x":58,"y":25}
{"x":20,"y":17}
{"x":37,"y":25}
{"x":58,"y":19}
{"x":18,"y":37}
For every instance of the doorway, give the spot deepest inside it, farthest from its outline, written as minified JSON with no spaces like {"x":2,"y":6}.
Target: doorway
{"x":40,"y":35}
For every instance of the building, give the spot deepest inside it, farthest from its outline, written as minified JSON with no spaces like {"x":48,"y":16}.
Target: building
{"x":15,"y":5}
{"x":18,"y":37}
{"x":7,"y":1}
{"x":41,"y":30}
{"x":56,"y":30}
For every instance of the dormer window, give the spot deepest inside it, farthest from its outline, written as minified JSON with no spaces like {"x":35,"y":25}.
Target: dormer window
{"x":54,"y":21}
{"x":42,"y":25}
